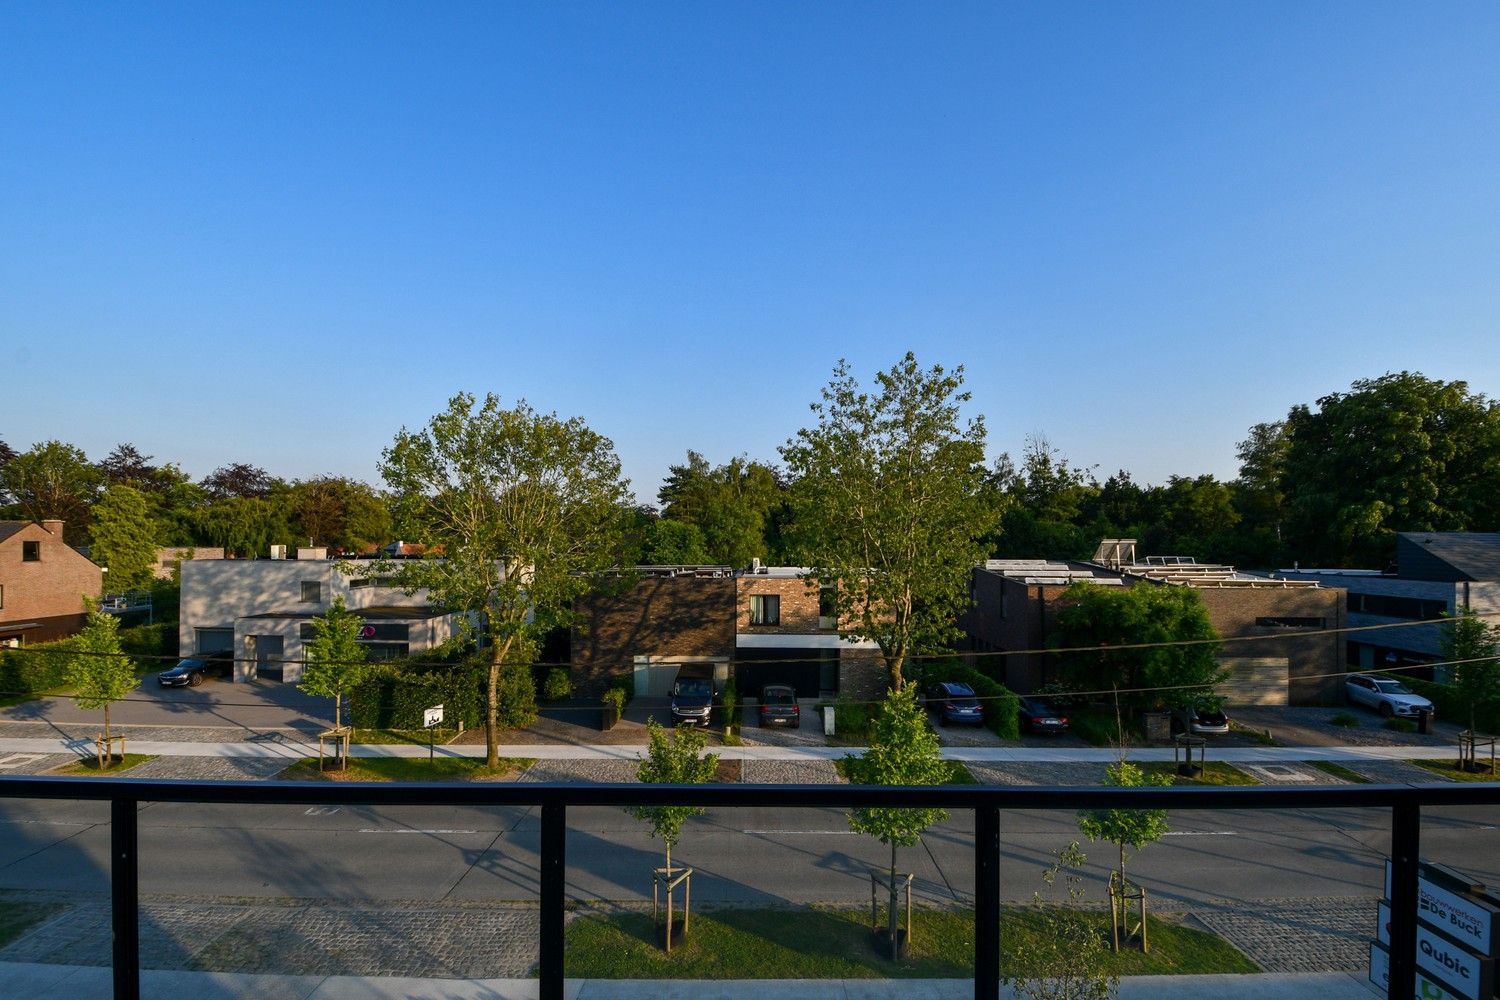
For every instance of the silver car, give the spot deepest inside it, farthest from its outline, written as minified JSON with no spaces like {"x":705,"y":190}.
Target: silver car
{"x":1388,"y":697}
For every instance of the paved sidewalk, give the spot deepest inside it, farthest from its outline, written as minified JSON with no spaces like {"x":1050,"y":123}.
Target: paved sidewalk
{"x":291,"y":747}
{"x":61,"y":982}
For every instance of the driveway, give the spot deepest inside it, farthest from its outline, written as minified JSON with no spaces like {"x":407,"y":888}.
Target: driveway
{"x":1313,"y":727}
{"x":246,"y":708}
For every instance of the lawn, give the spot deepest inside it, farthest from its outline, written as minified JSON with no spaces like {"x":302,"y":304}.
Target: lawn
{"x":1449,"y":769}
{"x":1215,"y":772}
{"x":90,"y":765}
{"x":1339,"y":771}
{"x":18,"y":916}
{"x":825,"y":943}
{"x":406,"y":769}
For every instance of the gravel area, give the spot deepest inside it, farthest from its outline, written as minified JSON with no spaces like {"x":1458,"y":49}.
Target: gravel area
{"x":966,"y":736}
{"x":1037,"y":773}
{"x":588,"y":771}
{"x":1297,"y":935}
{"x":1309,"y":727}
{"x":791,"y":772}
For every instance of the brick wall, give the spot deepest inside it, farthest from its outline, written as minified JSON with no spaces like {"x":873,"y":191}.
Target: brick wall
{"x":660,"y":616}
{"x":48,"y":592}
{"x":862,"y":675}
{"x":1234,"y":611}
{"x":799,"y":604}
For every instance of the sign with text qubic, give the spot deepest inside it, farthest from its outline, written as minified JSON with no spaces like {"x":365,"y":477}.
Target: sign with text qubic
{"x":1439,"y":958}
{"x":1380,"y":975}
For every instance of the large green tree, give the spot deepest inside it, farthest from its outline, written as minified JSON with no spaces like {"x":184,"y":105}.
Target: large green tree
{"x":53,"y":480}
{"x":528,"y":512}
{"x":1173,"y":659}
{"x":1402,"y":452}
{"x":343,"y":514}
{"x":244,"y":526}
{"x":733,"y":506}
{"x":335,"y":659}
{"x":888,"y":504}
{"x":125,"y":538}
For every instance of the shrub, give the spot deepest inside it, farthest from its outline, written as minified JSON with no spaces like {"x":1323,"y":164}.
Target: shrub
{"x":34,"y":669}
{"x":557,"y":686}
{"x":731,"y":706}
{"x":156,"y":643}
{"x":1346,"y":719}
{"x":1449,"y":704}
{"x":614,"y":702}
{"x":851,"y":719}
{"x":393,"y":695}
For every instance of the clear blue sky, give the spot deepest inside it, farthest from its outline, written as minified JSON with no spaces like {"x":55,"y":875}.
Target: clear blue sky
{"x":276,"y":233}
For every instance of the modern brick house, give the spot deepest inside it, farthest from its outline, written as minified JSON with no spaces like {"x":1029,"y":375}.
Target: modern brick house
{"x":1280,"y":647}
{"x":262,"y":609}
{"x":43,"y":582}
{"x":761,"y":625}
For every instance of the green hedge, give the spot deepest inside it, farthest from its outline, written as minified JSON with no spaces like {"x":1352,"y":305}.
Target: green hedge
{"x":1451,"y":706}
{"x":1002,"y":708}
{"x":34,"y":669}
{"x":394,"y":695}
{"x":153,"y":644}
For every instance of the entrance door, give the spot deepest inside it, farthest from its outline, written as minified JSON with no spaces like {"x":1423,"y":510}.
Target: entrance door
{"x":268,"y":657}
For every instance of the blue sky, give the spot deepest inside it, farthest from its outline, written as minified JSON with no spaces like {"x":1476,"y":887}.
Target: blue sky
{"x":276,"y":233}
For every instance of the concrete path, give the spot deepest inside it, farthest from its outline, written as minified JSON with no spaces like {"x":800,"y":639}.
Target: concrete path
{"x":62,"y":982}
{"x":286,"y":746}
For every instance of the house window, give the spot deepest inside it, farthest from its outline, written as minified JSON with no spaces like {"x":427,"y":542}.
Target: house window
{"x":312,"y":591}
{"x":765,"y":609}
{"x":31,"y":551}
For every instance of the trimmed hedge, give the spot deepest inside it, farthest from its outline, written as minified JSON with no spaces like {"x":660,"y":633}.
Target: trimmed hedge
{"x":1002,"y":708}
{"x":34,"y":669}
{"x":1451,"y":706}
{"x":394,"y":695}
{"x":153,"y":644}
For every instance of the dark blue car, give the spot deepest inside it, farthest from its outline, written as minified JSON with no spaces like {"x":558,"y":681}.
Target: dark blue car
{"x":956,"y":703}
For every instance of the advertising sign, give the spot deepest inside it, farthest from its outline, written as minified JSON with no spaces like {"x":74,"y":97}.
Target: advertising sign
{"x":1440,"y":959}
{"x":1380,"y":974}
{"x":432,"y":716}
{"x":1465,"y":917}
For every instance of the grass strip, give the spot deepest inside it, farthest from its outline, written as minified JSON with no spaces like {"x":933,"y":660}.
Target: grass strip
{"x":1215,"y":772}
{"x":835,"y":943}
{"x":1338,"y":771}
{"x":405,"y":769}
{"x":90,"y":765}
{"x":1449,"y":769}
{"x":18,"y":916}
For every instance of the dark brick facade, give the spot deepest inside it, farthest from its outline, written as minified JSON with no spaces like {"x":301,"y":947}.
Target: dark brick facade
{"x":660,"y":617}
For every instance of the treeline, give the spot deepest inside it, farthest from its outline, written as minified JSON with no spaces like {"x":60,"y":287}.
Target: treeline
{"x":1327,"y":485}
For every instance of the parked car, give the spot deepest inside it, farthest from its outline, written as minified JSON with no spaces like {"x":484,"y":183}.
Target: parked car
{"x":1384,"y":695}
{"x":192,"y":671}
{"x":1200,"y":720}
{"x":692,"y":701}
{"x":1041,"y":716}
{"x":955,"y":702}
{"x":778,"y":706}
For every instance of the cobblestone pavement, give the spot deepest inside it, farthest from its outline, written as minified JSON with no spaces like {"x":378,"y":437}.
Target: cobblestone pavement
{"x":164,"y":734}
{"x":1297,"y":935}
{"x":324,"y":937}
{"x":210,"y":768}
{"x":1296,"y":773}
{"x":791,"y":772}
{"x":1395,"y":772}
{"x":1037,"y":773}
{"x":33,"y":763}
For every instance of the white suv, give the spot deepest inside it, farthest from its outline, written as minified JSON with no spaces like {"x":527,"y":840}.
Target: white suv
{"x":1386,"y":696}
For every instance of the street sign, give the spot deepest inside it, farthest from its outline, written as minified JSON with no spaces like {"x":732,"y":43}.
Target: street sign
{"x":432,"y":716}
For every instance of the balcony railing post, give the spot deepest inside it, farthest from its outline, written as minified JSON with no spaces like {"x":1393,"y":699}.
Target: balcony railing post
{"x":553,"y":874}
{"x":986,"y":903}
{"x":1406,"y":835}
{"x":124,"y":880}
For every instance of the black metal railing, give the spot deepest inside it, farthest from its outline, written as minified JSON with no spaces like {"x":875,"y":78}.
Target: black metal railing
{"x":987,"y":804}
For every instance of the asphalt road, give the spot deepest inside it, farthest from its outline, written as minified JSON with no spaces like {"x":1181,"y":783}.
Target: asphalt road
{"x":742,"y":856}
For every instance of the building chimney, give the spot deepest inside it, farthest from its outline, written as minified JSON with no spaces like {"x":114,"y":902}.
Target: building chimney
{"x":56,"y":527}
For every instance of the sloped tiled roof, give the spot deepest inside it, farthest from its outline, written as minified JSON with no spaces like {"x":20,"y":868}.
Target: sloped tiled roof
{"x":8,"y":528}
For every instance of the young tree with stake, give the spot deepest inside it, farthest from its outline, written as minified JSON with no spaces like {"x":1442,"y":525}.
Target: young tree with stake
{"x":335,"y":660}
{"x":100,"y":672}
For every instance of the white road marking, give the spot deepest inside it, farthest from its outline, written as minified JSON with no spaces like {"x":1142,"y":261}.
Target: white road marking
{"x":20,"y":760}
{"x":375,"y":830}
{"x":1201,"y":833}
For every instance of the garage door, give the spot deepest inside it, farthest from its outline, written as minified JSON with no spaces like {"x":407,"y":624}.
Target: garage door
{"x":214,"y":640}
{"x":654,"y":680}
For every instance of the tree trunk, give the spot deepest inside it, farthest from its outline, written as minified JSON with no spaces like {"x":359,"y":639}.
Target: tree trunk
{"x":108,"y":757}
{"x":894,"y":903}
{"x":491,"y":713}
{"x":336,"y":700}
{"x":669,"y":862}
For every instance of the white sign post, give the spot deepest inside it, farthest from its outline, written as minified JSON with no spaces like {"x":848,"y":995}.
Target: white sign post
{"x":431,"y":719}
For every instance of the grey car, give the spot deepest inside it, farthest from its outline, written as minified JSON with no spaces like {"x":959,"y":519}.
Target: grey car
{"x":1385,"y":695}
